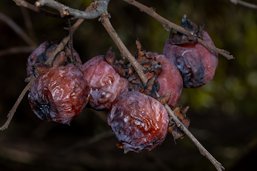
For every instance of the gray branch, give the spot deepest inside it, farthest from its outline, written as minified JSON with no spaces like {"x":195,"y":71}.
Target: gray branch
{"x":95,"y":9}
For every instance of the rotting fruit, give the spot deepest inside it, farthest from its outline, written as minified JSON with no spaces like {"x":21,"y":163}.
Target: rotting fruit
{"x":105,"y":83}
{"x":196,"y":63}
{"x":59,"y":94}
{"x":138,"y":121}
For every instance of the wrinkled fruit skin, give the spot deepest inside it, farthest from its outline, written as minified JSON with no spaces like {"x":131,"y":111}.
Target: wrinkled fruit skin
{"x":138,"y":121}
{"x":170,"y":80}
{"x":60,"y":94}
{"x":105,"y":83}
{"x":195,"y":62}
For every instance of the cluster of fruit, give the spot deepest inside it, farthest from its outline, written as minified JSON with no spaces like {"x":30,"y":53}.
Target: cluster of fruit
{"x":136,"y":112}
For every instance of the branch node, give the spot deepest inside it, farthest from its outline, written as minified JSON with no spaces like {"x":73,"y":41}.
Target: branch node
{"x":65,"y":12}
{"x":38,"y":4}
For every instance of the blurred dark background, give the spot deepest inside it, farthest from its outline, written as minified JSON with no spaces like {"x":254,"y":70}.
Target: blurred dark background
{"x":223,"y":113}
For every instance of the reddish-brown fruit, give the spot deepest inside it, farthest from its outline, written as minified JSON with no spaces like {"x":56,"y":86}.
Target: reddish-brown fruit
{"x":138,"y":121}
{"x":170,"y":80}
{"x":60,"y":94}
{"x":105,"y":83}
{"x":195,"y":62}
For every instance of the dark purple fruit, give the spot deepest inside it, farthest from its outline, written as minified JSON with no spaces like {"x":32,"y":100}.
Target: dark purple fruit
{"x":196,"y":63}
{"x":138,"y":121}
{"x":60,"y":94}
{"x":105,"y":83}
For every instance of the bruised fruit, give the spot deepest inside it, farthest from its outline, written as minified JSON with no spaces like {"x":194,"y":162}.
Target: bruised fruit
{"x":170,"y":80}
{"x":37,"y":57}
{"x":41,"y":54}
{"x":105,"y":83}
{"x":60,"y":94}
{"x":138,"y":121}
{"x":195,"y":62}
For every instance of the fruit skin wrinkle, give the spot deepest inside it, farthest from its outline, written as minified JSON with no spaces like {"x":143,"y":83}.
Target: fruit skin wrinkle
{"x":138,"y":121}
{"x":60,"y":94}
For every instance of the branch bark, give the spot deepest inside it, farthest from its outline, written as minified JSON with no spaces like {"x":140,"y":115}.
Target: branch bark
{"x":95,"y":9}
{"x":168,"y":24}
{"x":25,"y":4}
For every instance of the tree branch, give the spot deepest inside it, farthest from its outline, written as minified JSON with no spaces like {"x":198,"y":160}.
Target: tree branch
{"x":102,"y":10}
{"x":168,"y":24}
{"x":138,"y":68}
{"x":17,"y":29}
{"x":95,"y":9}
{"x":25,"y":4}
{"x":243,"y":3}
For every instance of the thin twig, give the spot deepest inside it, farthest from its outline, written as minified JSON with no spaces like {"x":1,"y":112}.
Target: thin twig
{"x":168,"y":24}
{"x":138,"y":68}
{"x":16,"y":50}
{"x":17,"y":29}
{"x":123,"y":49}
{"x":243,"y":3}
{"x":201,"y":148}
{"x":15,"y":106}
{"x":93,"y":11}
{"x":26,"y":5}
